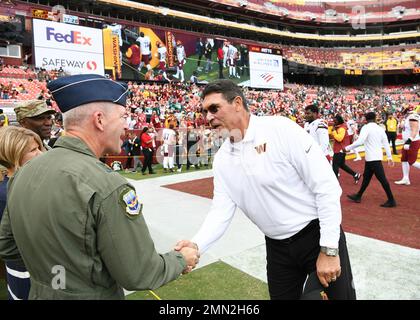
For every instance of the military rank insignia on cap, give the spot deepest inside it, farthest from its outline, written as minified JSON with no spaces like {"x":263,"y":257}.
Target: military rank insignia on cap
{"x":131,"y":203}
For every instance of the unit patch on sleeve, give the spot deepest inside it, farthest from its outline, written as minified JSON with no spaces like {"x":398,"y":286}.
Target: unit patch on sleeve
{"x":131,"y":202}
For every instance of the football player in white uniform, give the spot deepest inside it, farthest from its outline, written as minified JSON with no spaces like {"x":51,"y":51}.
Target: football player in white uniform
{"x":161,"y":54}
{"x":168,"y":148}
{"x":145,"y":50}
{"x":181,"y":57}
{"x":411,"y":137}
{"x":318,"y":129}
{"x":232,"y":58}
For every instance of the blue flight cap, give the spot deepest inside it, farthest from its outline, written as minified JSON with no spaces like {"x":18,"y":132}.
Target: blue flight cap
{"x":73,"y":91}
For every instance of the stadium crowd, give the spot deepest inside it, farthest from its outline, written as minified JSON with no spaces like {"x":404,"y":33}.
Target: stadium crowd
{"x":177,"y":105}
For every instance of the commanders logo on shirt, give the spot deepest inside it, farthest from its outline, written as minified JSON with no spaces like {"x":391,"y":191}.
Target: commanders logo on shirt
{"x":131,"y":203}
{"x":261,"y":148}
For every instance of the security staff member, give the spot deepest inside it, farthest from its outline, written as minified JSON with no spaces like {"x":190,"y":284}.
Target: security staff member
{"x":278,"y":175}
{"x":391,"y":125}
{"x":374,"y":138}
{"x":77,"y":225}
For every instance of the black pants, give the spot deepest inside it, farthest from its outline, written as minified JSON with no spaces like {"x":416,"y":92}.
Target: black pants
{"x":148,"y":157}
{"x":371,"y":168}
{"x":192,"y":154}
{"x":220,"y":61}
{"x":392,"y":136}
{"x":179,"y":154}
{"x":128,"y":161}
{"x":339,"y":161}
{"x":291,"y":260}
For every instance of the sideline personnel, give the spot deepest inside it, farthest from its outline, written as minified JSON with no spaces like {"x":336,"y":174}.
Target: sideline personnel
{"x":374,"y":138}
{"x":35,"y":115}
{"x":77,"y":224}
{"x":277,"y":174}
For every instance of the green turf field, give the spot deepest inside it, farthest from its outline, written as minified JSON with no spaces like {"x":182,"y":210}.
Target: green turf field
{"x":159,"y":172}
{"x":189,"y":67}
{"x":217,"y":281}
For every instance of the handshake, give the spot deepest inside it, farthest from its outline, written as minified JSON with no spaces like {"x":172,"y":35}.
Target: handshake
{"x":190,"y":252}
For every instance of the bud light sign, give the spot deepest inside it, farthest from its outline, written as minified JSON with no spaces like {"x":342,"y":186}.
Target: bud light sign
{"x":73,"y":48}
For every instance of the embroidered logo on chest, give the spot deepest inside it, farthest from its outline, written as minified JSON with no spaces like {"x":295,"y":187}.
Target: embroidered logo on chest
{"x":261,"y":148}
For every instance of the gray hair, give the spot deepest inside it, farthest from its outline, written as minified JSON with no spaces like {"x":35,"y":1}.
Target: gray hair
{"x":77,"y":117}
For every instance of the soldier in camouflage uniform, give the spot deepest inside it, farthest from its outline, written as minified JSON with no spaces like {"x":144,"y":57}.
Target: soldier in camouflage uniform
{"x":36,"y":116}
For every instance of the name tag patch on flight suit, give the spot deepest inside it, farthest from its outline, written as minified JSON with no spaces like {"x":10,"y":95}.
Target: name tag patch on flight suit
{"x":131,"y":203}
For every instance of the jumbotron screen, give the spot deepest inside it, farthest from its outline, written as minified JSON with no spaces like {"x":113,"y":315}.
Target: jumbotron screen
{"x":132,"y":53}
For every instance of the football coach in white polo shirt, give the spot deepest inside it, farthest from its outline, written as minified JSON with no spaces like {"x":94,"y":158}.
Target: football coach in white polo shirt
{"x":277,"y":174}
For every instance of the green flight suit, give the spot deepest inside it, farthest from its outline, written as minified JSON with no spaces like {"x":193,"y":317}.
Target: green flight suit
{"x":66,"y":208}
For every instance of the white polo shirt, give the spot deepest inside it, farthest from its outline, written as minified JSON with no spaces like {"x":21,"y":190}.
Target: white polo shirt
{"x":374,"y":138}
{"x":279,"y":177}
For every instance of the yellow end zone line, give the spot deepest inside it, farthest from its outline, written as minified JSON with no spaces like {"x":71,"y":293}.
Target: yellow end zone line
{"x":155,"y":295}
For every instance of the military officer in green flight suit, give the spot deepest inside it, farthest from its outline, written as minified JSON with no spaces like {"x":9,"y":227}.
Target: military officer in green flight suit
{"x":75,"y":224}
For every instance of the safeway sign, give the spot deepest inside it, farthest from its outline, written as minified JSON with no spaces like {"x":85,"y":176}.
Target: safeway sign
{"x":75,"y":49}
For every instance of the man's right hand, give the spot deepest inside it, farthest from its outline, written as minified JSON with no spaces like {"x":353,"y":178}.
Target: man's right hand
{"x":191,"y":257}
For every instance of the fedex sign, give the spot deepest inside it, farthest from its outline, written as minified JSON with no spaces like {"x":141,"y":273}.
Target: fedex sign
{"x":72,"y":37}
{"x":74,"y":48}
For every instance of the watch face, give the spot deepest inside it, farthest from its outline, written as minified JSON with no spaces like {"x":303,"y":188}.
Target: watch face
{"x":332,"y":252}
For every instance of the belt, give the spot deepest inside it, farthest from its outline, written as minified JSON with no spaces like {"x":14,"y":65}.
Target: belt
{"x":309,"y":227}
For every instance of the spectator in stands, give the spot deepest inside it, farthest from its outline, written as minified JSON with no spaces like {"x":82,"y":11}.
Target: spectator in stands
{"x":98,"y":224}
{"x":4,"y":119}
{"x":300,"y":215}
{"x":374,"y":139}
{"x":21,"y":89}
{"x":341,"y":141}
{"x":36,"y":116}
{"x":17,"y":146}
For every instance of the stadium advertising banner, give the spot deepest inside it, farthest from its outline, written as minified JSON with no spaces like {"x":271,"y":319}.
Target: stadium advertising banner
{"x":75,"y":49}
{"x":162,"y":54}
{"x":266,"y":68}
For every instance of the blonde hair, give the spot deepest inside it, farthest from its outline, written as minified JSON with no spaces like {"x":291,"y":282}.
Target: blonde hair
{"x":14,"y":142}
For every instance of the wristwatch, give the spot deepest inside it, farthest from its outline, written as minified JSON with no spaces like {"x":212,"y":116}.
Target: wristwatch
{"x":331,"y":252}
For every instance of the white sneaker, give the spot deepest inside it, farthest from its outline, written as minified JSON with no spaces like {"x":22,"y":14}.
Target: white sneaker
{"x":179,"y":170}
{"x":403,"y":181}
{"x":357,"y":159}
